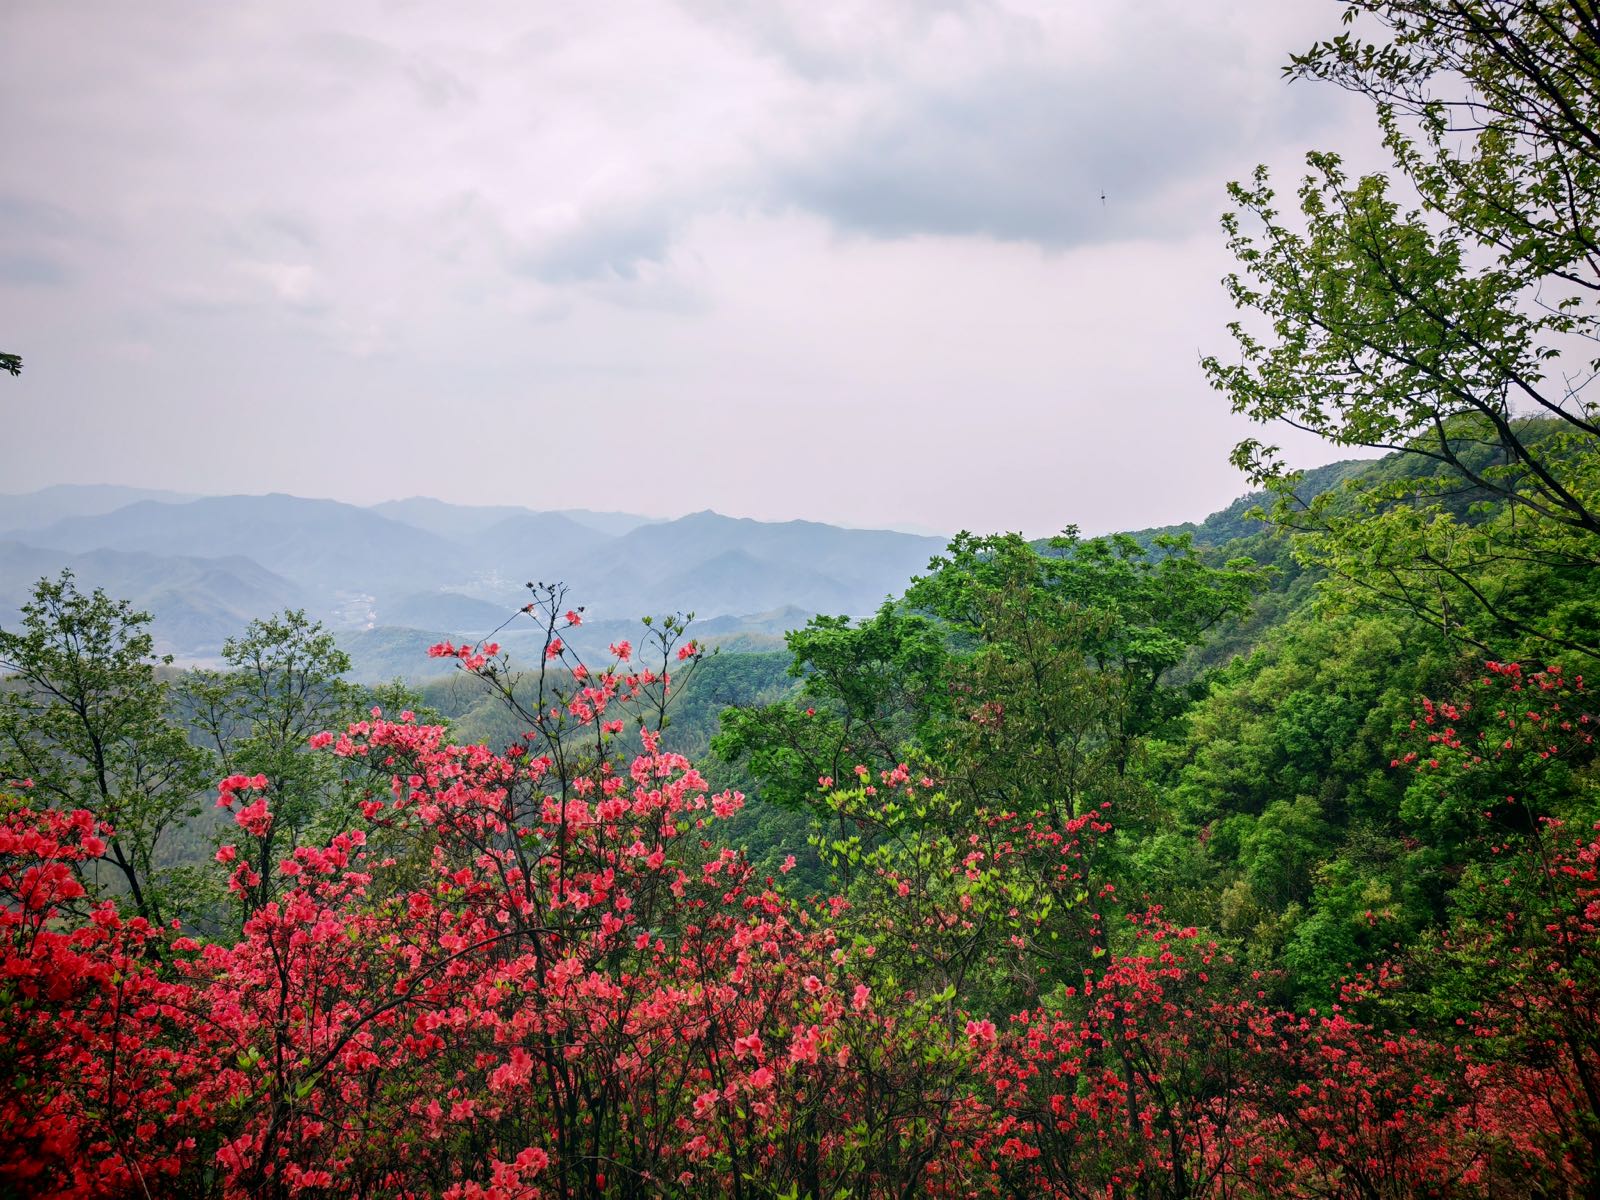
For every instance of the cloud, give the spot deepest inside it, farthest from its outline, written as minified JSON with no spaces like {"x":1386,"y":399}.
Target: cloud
{"x":601,"y":244}
{"x":600,"y":142}
{"x":974,"y":119}
{"x":40,"y":242}
{"x":22,"y":215}
{"x":31,"y":270}
{"x":438,"y":87}
{"x":264,"y":232}
{"x":296,"y":285}
{"x":1015,"y":157}
{"x":758,"y":224}
{"x":829,"y":42}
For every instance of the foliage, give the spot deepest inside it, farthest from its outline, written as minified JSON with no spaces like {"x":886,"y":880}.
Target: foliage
{"x":866,"y":688}
{"x":1028,"y":676}
{"x":547,"y":970}
{"x":281,"y":683}
{"x":1518,"y":966}
{"x":577,"y":994}
{"x":99,"y":1073}
{"x":87,"y":724}
{"x":1458,"y":330}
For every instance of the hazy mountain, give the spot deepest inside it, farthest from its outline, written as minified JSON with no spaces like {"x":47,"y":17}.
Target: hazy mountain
{"x":461,"y":522}
{"x":536,"y":545}
{"x":779,"y":621}
{"x":705,"y":562}
{"x":737,"y":581}
{"x":468,"y":521}
{"x":323,"y":545}
{"x":197,"y":602}
{"x":52,"y":504}
{"x":701,"y":559}
{"x":826,"y":548}
{"x":1231,"y":522}
{"x":614,"y":523}
{"x":380,"y":575}
{"x":388,"y":650}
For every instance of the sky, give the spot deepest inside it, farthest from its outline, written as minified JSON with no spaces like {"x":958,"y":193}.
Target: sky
{"x":848,"y":262}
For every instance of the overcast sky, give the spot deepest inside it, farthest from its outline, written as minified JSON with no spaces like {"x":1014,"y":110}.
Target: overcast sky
{"x":845,"y":261}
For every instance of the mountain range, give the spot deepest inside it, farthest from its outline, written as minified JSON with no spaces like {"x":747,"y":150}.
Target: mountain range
{"x":392,"y":577}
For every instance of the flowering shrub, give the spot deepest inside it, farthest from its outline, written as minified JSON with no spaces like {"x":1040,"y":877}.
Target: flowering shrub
{"x":1505,"y":755}
{"x":101,"y":1095}
{"x":518,"y":974}
{"x":536,"y":973}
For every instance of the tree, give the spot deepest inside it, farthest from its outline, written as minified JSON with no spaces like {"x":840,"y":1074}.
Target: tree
{"x":1452,"y":318}
{"x":282,"y":685}
{"x":870,"y":694}
{"x":11,"y":363}
{"x":1027,"y":674}
{"x":1105,"y":615}
{"x":965,"y":750}
{"x":86,"y":720}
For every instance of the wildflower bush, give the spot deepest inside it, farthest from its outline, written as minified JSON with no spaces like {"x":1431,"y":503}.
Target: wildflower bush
{"x":538,"y":973}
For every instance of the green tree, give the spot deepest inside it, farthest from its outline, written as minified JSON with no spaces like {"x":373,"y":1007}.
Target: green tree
{"x":282,"y":683}
{"x":1131,"y":613}
{"x":86,"y":718}
{"x":868,"y":689}
{"x":1007,"y":668}
{"x":1451,"y":318}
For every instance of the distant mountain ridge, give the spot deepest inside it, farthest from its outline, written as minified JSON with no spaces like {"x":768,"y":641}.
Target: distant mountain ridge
{"x":323,"y":545}
{"x":398,"y":576}
{"x":33,"y":509}
{"x":197,"y":603}
{"x":395,"y":577}
{"x":205,"y":565}
{"x":472,"y":520}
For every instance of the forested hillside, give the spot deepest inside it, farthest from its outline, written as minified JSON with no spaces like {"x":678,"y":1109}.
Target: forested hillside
{"x":1255,"y":857}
